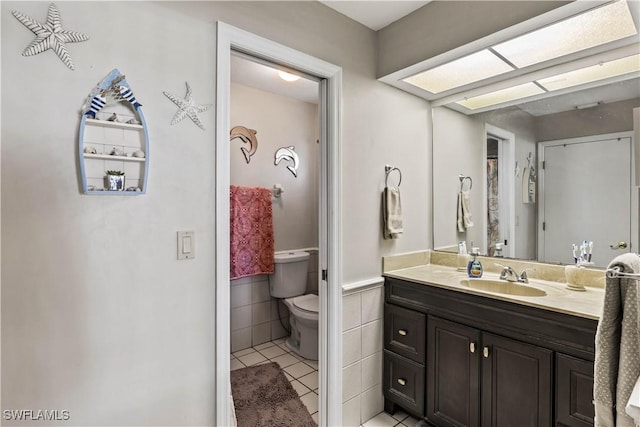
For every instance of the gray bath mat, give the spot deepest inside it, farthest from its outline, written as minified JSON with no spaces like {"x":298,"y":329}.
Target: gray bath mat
{"x":263,"y":397}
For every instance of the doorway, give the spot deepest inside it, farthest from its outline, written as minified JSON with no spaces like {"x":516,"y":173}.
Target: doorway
{"x":498,"y":191}
{"x":330,"y":269}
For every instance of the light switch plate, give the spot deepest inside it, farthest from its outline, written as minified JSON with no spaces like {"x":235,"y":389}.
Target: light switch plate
{"x":186,"y":245}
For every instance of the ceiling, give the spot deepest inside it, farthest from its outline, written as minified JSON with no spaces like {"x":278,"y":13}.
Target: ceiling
{"x":375,"y":14}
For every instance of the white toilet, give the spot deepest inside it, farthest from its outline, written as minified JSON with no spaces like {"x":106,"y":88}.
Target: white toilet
{"x":290,"y":282}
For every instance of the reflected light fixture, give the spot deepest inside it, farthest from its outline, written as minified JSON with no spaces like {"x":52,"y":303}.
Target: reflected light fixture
{"x":288,"y":77}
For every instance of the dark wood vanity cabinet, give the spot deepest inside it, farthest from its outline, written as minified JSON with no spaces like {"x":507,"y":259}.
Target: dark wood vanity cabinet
{"x":484,"y":362}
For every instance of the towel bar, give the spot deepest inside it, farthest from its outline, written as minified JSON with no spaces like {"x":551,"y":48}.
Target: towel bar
{"x":615,"y":273}
{"x":463,"y":179}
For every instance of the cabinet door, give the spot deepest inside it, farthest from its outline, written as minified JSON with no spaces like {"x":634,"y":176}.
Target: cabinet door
{"x":403,"y":383}
{"x":404,"y":332}
{"x":574,"y":392}
{"x":516,"y":383}
{"x":452,"y":374}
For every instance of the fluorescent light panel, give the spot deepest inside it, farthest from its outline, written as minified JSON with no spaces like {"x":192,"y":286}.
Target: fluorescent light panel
{"x":468,"y":69}
{"x":500,"y":96}
{"x":594,"y":73}
{"x":593,"y":28}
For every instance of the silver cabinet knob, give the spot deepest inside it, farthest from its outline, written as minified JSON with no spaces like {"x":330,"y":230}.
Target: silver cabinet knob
{"x":485,"y":351}
{"x":402,"y":332}
{"x":402,"y":381}
{"x":472,"y":347}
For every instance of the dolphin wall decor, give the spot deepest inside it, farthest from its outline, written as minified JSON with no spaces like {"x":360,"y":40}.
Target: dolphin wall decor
{"x":288,"y":153}
{"x":248,"y":136}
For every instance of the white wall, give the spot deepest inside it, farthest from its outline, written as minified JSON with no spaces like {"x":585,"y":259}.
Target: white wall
{"x":98,"y":316}
{"x":280,"y":122}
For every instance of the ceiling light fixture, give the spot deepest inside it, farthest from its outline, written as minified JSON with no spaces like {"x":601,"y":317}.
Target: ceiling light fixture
{"x":288,"y":77}
{"x":589,"y":105}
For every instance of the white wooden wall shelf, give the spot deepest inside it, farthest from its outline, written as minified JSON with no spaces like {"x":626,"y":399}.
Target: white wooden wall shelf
{"x":113,"y":145}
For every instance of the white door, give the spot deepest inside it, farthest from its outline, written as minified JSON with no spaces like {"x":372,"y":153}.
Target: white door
{"x":586,"y":196}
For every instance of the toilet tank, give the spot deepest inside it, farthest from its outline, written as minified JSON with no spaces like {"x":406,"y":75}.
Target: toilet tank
{"x":290,"y":276}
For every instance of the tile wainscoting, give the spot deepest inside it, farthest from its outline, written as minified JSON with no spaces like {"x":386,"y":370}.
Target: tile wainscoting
{"x":254,"y":313}
{"x":362,"y":343}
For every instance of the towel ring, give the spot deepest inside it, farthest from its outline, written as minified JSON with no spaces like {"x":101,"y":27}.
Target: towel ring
{"x":462,"y":179}
{"x":387,"y":170}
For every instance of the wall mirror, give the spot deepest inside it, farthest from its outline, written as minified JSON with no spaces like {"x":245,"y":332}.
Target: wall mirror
{"x":586,"y":190}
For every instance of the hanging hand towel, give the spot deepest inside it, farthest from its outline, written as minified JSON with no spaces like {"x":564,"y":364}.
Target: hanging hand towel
{"x":617,"y":361}
{"x":633,"y":405}
{"x":391,"y":213}
{"x":464,"y":211}
{"x":251,"y":232}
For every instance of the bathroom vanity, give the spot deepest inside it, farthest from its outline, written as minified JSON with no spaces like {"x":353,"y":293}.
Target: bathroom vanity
{"x":457,"y":356}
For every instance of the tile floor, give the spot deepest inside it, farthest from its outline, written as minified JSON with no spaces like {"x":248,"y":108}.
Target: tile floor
{"x":303,"y":376}
{"x":301,"y":373}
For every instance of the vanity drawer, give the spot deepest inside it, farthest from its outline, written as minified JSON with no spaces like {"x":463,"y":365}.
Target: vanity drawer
{"x":405,"y":332}
{"x":403,"y":383}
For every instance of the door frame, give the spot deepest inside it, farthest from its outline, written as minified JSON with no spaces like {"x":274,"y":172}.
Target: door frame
{"x":506,"y":166}
{"x":634,"y":226}
{"x":330,"y":289}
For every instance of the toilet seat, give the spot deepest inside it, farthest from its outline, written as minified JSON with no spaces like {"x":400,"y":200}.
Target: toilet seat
{"x":307,"y":303}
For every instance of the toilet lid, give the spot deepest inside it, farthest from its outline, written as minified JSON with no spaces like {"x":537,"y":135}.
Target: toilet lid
{"x":307,"y":302}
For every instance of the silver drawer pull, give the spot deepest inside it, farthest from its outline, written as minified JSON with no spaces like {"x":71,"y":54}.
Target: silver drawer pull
{"x":402,"y":381}
{"x":472,"y":347}
{"x":402,"y":332}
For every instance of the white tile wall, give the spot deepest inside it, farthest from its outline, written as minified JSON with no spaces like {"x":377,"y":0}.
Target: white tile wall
{"x":362,"y":340}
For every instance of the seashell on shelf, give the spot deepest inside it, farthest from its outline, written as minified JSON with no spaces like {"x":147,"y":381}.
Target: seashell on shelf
{"x":90,"y":150}
{"x":134,"y":189}
{"x":133,"y":122}
{"x":113,"y":118}
{"x":116,"y":152}
{"x":138,"y":153}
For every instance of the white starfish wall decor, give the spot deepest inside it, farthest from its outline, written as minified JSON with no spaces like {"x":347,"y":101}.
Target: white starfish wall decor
{"x":50,"y":35}
{"x":187,"y":108}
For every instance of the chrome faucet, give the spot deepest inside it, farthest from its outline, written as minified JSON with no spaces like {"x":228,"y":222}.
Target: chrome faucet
{"x":510,"y":275}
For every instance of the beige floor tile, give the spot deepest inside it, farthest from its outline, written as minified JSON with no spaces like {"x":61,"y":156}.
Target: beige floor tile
{"x":300,"y":388}
{"x":264,"y":345}
{"x":310,"y":380}
{"x":243,"y":352}
{"x":236,"y":364}
{"x":310,"y":400}
{"x":272,"y":352}
{"x":298,"y":370}
{"x":381,"y":420}
{"x":252,"y":358}
{"x":285,"y":360}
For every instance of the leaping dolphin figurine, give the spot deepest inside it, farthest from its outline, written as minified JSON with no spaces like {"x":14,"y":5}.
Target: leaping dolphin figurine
{"x":287,"y":153}
{"x":246,"y":135}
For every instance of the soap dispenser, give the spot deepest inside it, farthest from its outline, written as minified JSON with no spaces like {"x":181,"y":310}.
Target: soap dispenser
{"x":474,"y":269}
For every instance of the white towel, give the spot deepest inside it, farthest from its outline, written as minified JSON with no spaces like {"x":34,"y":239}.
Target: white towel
{"x":464,"y":211}
{"x":617,"y":361}
{"x":633,"y":405}
{"x":391,"y":213}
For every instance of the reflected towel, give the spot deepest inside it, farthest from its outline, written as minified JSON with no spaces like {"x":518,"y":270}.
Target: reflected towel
{"x":617,"y":361}
{"x":391,"y":213}
{"x":464,"y":211}
{"x":251,"y":232}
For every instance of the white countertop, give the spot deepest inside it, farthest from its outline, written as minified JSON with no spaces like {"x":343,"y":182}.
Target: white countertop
{"x":587,"y":304}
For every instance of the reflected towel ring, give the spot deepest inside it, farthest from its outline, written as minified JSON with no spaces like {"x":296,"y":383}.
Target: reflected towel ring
{"x":387,"y":170}
{"x":462,"y":179}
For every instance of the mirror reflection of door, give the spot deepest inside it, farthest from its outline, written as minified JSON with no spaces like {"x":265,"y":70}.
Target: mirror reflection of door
{"x":586,"y":196}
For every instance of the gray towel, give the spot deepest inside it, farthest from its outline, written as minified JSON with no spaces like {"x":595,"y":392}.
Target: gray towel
{"x":617,"y":362}
{"x":391,"y":213}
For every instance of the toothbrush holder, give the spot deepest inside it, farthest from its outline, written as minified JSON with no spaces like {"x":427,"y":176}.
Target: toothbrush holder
{"x":575,"y":277}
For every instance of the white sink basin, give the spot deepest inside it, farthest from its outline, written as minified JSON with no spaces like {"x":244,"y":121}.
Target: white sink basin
{"x":503,"y":287}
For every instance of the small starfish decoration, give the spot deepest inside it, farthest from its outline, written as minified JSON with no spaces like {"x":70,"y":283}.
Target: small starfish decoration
{"x":50,"y":35}
{"x":187,"y":108}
